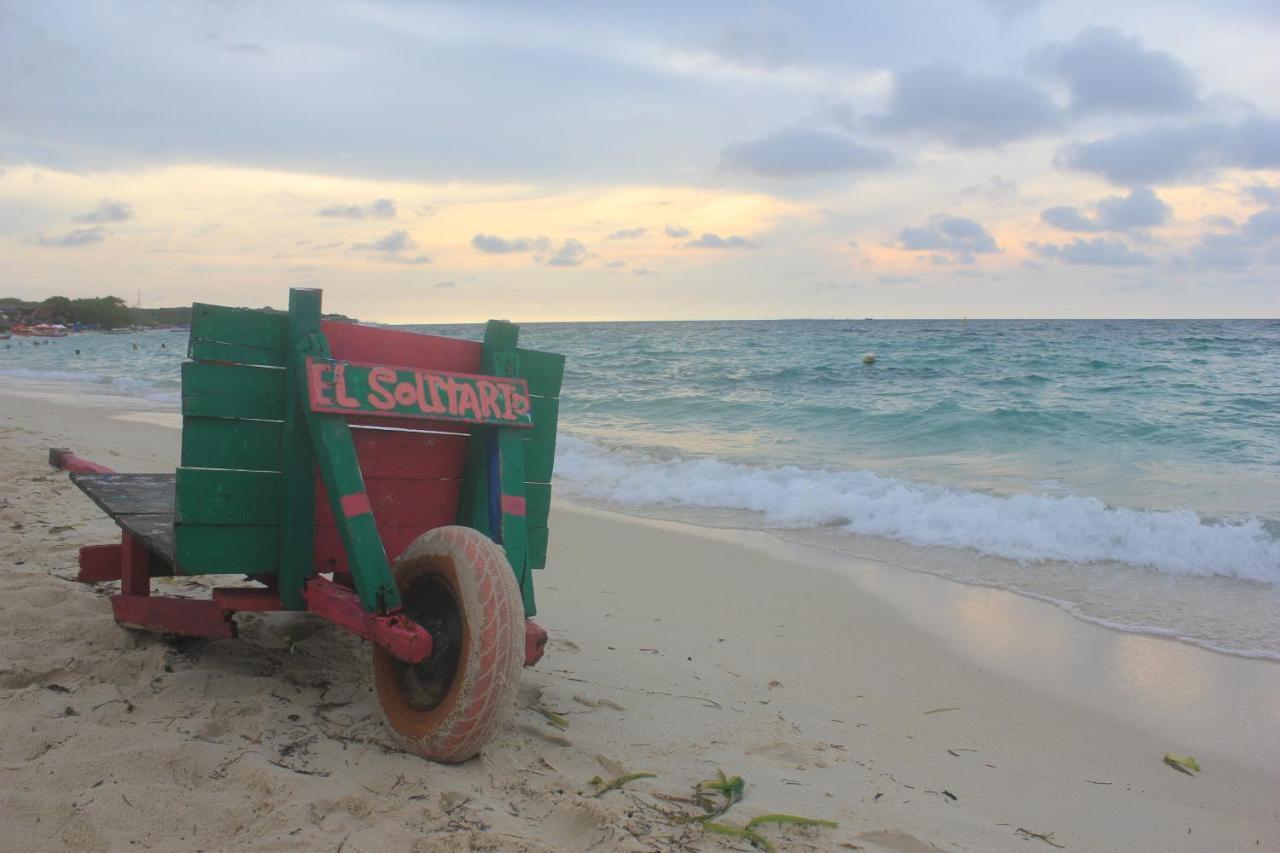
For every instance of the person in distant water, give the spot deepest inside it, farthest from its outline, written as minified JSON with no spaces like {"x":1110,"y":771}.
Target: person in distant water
{"x":135,"y":346}
{"x":162,"y":346}
{"x":77,"y":352}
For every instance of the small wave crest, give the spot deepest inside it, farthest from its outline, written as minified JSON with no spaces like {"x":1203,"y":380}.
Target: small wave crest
{"x":1026,"y":528}
{"x":154,"y":390}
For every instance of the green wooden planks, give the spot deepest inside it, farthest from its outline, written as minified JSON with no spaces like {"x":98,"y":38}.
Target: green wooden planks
{"x":226,"y":549}
{"x":232,"y":391}
{"x":203,"y":350}
{"x":540,"y":442}
{"x":230,"y":443}
{"x":298,"y":489}
{"x":218,"y":496}
{"x":264,"y":329}
{"x":543,"y":371}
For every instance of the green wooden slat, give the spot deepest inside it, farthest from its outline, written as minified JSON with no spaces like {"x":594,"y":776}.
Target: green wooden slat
{"x":232,"y":391}
{"x":540,"y":442}
{"x":264,"y":329}
{"x":297,"y":490}
{"x":538,"y":547}
{"x":227,"y":443}
{"x":544,"y":372}
{"x":340,"y":469}
{"x":515,"y":532}
{"x":226,"y":549}
{"x":537,"y":498}
{"x":216,"y":496}
{"x":203,"y":350}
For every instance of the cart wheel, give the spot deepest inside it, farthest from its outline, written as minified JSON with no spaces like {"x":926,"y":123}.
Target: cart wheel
{"x":458,"y":585}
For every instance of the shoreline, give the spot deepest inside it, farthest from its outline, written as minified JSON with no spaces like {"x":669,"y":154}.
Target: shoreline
{"x":885,"y":679}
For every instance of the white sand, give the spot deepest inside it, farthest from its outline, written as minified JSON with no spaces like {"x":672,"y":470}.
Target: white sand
{"x":674,"y":651}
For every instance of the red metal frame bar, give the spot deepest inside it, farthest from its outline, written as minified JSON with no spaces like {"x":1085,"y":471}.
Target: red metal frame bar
{"x":65,"y":460}
{"x":405,"y":639}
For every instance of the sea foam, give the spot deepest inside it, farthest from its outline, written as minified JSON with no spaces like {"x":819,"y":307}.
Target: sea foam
{"x":1025,"y":528}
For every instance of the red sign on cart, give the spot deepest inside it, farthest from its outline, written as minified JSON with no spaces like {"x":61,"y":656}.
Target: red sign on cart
{"x":354,"y":388}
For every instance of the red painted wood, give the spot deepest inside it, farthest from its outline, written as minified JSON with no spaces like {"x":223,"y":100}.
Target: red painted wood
{"x":347,"y":387}
{"x":513,"y":505}
{"x":409,"y":455}
{"x":65,"y":460}
{"x":187,"y":616}
{"x":401,"y":503}
{"x":135,"y":567}
{"x":355,"y":504}
{"x":353,"y":342}
{"x":330,"y":556}
{"x":535,"y":642}
{"x":100,"y":563}
{"x":236,"y":598}
{"x":404,"y":639}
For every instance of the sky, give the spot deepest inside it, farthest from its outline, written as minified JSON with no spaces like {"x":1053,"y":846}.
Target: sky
{"x":427,"y":162}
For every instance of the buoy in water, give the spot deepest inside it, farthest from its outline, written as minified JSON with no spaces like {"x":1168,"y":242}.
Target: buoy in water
{"x":869,"y":358}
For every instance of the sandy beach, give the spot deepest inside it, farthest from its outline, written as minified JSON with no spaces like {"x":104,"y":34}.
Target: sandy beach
{"x":919,"y":713}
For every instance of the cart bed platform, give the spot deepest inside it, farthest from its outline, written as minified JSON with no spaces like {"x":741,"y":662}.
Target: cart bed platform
{"x":142,"y":504}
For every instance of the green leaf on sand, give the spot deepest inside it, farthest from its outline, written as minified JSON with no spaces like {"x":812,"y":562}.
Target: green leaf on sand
{"x":1182,"y":763}
{"x":552,"y":717}
{"x":614,"y":784}
{"x":793,"y":820}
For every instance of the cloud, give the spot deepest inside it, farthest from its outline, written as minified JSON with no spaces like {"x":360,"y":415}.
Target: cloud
{"x":1177,"y":152}
{"x":994,"y":188}
{"x":1008,"y":10}
{"x":392,"y":248}
{"x":1105,"y":70}
{"x":442,"y":285}
{"x":966,"y":109}
{"x":1238,"y":247}
{"x":899,"y":279}
{"x":956,"y":238}
{"x":379,"y":208}
{"x":676,"y":232}
{"x":629,"y":234}
{"x":396,"y":241}
{"x":492,"y":244}
{"x":72,"y":239}
{"x":798,"y":152}
{"x":1100,"y":251}
{"x":570,"y":254}
{"x":107,"y":210}
{"x":767,"y":48}
{"x":615,"y":264}
{"x":1141,"y":208}
{"x":1264,"y":193}
{"x":715,"y":241}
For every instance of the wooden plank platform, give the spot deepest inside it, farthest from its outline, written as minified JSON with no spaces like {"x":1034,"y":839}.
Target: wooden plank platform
{"x":142,"y":504}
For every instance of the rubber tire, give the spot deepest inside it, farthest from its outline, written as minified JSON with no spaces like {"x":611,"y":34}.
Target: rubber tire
{"x":482,"y":694}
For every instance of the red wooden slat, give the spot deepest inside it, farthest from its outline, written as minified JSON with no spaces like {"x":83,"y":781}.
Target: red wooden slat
{"x":135,"y":567}
{"x":400,"y":503}
{"x":409,"y":455}
{"x":354,"y":342}
{"x":190,"y":617}
{"x":234,"y":598}
{"x":100,"y":563}
{"x":407,"y":424}
{"x":330,"y":557}
{"x":403,"y":638}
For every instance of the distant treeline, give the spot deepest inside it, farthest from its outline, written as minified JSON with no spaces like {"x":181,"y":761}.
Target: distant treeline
{"x":102,"y":312}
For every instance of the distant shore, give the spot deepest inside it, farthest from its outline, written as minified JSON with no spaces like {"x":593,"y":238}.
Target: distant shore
{"x":912,"y":710}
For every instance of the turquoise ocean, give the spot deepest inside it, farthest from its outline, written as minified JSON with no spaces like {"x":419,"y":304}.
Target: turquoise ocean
{"x":1127,"y":471}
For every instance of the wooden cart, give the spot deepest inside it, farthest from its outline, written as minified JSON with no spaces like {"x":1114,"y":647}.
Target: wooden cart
{"x":316,"y":452}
